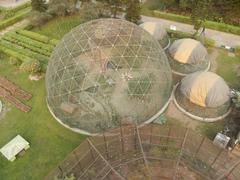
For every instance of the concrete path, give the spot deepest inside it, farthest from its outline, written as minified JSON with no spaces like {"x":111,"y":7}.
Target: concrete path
{"x":221,"y":38}
{"x":12,"y":3}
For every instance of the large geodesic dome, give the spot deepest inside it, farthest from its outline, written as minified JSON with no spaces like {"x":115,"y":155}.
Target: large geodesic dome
{"x":205,"y":95}
{"x":158,"y":32}
{"x":187,"y":56}
{"x":104,"y":71}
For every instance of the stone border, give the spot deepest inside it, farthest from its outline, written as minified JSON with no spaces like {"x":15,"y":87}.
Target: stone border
{"x":166,"y":47}
{"x":202,"y":119}
{"x":1,"y":106}
{"x":80,"y":131}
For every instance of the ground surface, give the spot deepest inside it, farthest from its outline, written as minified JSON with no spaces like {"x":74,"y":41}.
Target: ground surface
{"x":12,"y":3}
{"x":50,"y":142}
{"x":221,"y":38}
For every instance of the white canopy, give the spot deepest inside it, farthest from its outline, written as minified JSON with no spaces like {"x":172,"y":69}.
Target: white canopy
{"x":15,"y":146}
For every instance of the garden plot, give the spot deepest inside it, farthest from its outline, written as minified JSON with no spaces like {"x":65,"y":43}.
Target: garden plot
{"x":27,"y":46}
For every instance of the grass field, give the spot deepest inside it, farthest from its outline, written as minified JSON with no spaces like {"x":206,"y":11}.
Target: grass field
{"x":226,"y":68}
{"x":50,"y":142}
{"x":57,"y":27}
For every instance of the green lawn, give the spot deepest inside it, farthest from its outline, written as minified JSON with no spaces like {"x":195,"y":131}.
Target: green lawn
{"x":59,"y":26}
{"x":226,"y":68}
{"x":50,"y":142}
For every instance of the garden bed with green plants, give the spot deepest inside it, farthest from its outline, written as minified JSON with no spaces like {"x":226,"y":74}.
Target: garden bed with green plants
{"x":27,"y":46}
{"x":11,"y":16}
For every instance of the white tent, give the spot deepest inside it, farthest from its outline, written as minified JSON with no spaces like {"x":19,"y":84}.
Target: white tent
{"x":14,"y":147}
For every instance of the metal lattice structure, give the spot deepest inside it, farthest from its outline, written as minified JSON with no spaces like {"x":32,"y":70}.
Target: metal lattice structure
{"x":105,"y":70}
{"x":151,"y":152}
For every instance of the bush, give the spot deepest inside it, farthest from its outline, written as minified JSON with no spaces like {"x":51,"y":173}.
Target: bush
{"x":38,"y":19}
{"x":32,"y":66}
{"x":57,"y":8}
{"x":209,"y":42}
{"x":179,"y":34}
{"x":208,"y":24}
{"x":14,"y":61}
{"x":90,"y":11}
{"x":237,"y":50}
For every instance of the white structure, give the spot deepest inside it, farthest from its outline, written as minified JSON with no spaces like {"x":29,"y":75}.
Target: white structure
{"x":158,"y":32}
{"x":14,"y":147}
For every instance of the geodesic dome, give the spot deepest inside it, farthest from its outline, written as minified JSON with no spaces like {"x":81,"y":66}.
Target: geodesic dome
{"x":158,"y":32}
{"x":187,"y":56}
{"x":106,"y":70}
{"x":203,"y":94}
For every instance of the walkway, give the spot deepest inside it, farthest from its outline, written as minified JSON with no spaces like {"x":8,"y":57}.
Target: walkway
{"x":221,"y":38}
{"x":19,"y":24}
{"x":12,"y":3}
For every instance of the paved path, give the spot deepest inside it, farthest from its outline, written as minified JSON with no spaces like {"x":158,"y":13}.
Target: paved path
{"x":12,"y":3}
{"x":221,"y":38}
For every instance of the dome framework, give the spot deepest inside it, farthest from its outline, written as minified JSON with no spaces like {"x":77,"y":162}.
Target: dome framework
{"x":105,"y":70}
{"x":203,"y":96}
{"x":158,"y":32}
{"x":187,"y":56}
{"x":150,"y":152}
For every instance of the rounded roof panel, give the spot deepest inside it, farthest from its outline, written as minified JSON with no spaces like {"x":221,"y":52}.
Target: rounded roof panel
{"x":205,"y":89}
{"x":104,"y":71}
{"x":155,"y":29}
{"x":188,"y":51}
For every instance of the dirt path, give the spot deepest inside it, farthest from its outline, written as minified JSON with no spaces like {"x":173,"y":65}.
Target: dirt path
{"x":213,"y":59}
{"x":19,"y":24}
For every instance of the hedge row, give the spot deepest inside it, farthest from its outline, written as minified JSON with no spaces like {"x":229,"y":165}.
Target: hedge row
{"x":14,"y":54}
{"x":208,"y":24}
{"x":25,"y":45}
{"x":29,"y":41}
{"x":179,"y":35}
{"x":37,"y":37}
{"x":23,"y":51}
{"x":12,"y":20}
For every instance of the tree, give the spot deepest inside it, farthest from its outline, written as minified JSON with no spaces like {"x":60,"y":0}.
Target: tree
{"x":90,"y":11}
{"x":133,"y":11}
{"x":200,"y":10}
{"x":39,"y":5}
{"x":115,"y":6}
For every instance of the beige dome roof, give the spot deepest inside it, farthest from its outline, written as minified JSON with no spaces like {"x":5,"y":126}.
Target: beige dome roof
{"x":188,"y":51}
{"x":205,"y":89}
{"x":154,"y":29}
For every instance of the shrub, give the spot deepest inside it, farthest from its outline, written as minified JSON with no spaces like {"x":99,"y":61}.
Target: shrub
{"x":38,"y":19}
{"x":14,"y":61}
{"x":179,"y":34}
{"x":57,"y":8}
{"x":209,"y":42}
{"x":32,"y":66}
{"x":237,"y":50}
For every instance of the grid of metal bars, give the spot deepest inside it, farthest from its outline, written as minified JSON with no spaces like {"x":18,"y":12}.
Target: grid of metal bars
{"x":150,"y":152}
